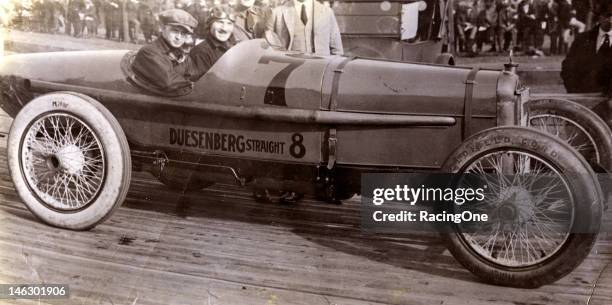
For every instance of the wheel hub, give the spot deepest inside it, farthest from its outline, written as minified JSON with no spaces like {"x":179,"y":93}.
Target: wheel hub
{"x":53,"y":163}
{"x":517,"y":205}
{"x":529,"y":217}
{"x":507,"y":212}
{"x":70,"y":158}
{"x":63,"y":162}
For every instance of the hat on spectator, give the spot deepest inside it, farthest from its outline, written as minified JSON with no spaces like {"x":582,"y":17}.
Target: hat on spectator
{"x":178,"y":17}
{"x":221,"y":12}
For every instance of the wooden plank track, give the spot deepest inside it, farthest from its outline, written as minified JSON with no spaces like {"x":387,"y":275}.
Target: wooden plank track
{"x":218,"y":246}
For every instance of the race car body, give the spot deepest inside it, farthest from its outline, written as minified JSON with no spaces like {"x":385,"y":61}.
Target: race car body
{"x":270,"y":119}
{"x":252,"y":76}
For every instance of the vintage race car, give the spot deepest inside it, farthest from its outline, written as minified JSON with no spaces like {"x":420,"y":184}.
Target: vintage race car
{"x":266,"y":118}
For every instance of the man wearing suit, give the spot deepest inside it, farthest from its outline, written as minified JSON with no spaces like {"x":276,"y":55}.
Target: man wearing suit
{"x":588,"y":65}
{"x":564,"y":12}
{"x":527,"y":24}
{"x":250,"y":20}
{"x":112,"y":18}
{"x":306,"y":26}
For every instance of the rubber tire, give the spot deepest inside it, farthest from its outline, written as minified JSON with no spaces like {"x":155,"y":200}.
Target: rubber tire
{"x":116,"y":149}
{"x":584,"y":183}
{"x":585,"y":117}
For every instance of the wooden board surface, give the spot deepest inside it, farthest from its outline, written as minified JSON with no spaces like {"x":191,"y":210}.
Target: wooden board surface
{"x":218,"y":246}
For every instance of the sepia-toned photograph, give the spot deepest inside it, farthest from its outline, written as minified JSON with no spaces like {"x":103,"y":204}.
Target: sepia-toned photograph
{"x":273,"y":152}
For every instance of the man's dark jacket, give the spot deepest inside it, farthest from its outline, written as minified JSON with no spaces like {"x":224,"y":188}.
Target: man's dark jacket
{"x":204,"y":55}
{"x":583,"y":70}
{"x":565,"y":13}
{"x":156,"y":65}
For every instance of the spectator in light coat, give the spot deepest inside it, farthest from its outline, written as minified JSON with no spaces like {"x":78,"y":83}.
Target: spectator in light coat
{"x":306,"y":26}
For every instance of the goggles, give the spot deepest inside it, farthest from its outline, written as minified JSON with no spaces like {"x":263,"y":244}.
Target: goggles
{"x":221,"y":13}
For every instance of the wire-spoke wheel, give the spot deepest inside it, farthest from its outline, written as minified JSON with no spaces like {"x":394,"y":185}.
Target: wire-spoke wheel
{"x":543,"y":201}
{"x":569,"y":131}
{"x":577,"y":125}
{"x":530,"y":205}
{"x":63,"y":161}
{"x":69,"y":160}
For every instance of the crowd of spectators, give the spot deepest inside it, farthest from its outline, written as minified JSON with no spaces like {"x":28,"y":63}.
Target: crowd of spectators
{"x":520,"y":25}
{"x":105,"y":18}
{"x":480,"y":25}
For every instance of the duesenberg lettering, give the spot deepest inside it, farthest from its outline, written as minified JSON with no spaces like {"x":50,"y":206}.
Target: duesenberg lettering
{"x":223,"y":142}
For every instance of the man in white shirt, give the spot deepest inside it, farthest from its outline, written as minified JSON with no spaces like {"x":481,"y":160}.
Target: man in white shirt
{"x":306,"y":26}
{"x":588,"y":65}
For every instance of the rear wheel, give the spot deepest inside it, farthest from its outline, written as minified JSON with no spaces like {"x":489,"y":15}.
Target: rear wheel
{"x":544,"y":203}
{"x":577,"y":125}
{"x":69,"y":160}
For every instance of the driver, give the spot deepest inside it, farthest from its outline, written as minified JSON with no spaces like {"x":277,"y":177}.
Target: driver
{"x":218,"y":38}
{"x":163,"y":64}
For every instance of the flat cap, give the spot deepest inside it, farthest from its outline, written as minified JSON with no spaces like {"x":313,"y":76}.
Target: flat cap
{"x":178,"y":17}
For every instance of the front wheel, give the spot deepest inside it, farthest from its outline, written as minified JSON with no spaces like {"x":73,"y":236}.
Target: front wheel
{"x":69,"y":160}
{"x":544,"y":203}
